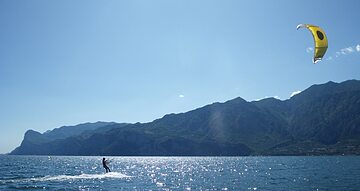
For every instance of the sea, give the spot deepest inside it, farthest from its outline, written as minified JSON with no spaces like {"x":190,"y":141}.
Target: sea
{"x":180,"y":173}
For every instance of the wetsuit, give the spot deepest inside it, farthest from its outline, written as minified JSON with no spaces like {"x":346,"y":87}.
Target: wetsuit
{"x":107,"y":169}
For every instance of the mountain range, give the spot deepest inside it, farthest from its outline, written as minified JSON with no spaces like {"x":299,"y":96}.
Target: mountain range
{"x":321,"y":120}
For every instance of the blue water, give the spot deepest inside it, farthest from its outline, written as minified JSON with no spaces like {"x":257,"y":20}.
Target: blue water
{"x":180,"y":173}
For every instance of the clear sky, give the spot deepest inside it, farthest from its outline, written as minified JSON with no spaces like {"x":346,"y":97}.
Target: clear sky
{"x":65,"y":62}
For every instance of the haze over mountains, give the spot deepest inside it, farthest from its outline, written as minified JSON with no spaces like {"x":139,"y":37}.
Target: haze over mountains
{"x":323,"y":119}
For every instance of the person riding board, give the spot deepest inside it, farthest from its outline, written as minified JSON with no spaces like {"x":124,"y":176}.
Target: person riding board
{"x":104,"y":162}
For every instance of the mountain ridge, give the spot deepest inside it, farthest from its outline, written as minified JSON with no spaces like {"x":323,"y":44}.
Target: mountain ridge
{"x":323,"y":119}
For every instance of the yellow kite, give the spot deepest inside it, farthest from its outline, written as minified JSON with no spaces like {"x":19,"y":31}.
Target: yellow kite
{"x":321,"y":42}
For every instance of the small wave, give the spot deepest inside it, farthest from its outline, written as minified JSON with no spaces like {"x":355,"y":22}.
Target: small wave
{"x":110,"y":175}
{"x":81,"y":176}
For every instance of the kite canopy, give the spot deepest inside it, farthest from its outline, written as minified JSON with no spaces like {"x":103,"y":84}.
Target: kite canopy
{"x":321,"y":42}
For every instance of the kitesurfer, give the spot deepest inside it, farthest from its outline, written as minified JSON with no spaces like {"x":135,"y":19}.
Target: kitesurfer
{"x":104,"y":162}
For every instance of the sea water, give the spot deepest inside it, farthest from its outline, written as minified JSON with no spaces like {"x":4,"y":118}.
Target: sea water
{"x":180,"y":173}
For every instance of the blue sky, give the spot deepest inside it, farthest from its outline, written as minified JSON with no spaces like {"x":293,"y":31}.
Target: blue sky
{"x":69,"y":62}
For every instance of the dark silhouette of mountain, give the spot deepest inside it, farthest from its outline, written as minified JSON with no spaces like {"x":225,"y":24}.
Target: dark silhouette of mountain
{"x":34,"y":141}
{"x":323,"y":119}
